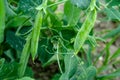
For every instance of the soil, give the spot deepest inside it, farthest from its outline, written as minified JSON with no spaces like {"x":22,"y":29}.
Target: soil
{"x":43,"y":73}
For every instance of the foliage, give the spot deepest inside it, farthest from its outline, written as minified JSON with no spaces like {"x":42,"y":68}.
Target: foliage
{"x":38,"y":30}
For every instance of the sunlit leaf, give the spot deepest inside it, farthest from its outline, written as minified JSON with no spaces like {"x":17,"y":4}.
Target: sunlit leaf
{"x":72,"y":13}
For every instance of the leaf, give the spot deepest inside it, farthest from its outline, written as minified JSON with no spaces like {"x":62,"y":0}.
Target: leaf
{"x":1,"y":63}
{"x":56,"y":77}
{"x":14,"y":41}
{"x":19,"y":21}
{"x":92,"y":41}
{"x":112,"y":33}
{"x":83,"y":4}
{"x":25,"y":78}
{"x":9,"y":12}
{"x":113,"y":2}
{"x":72,"y":13}
{"x":107,"y":48}
{"x":85,"y":30}
{"x":8,"y":71}
{"x":81,"y":73}
{"x":53,"y":59}
{"x":2,"y":20}
{"x":44,"y":49}
{"x":116,"y":54}
{"x":110,"y":75}
{"x":112,"y":13}
{"x":66,"y":34}
{"x":10,"y":55}
{"x":55,"y":21}
{"x":27,"y":7}
{"x":91,"y":71}
{"x":70,"y":66}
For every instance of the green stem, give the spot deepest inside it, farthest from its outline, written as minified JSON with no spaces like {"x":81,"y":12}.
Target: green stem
{"x":58,"y":59}
{"x":57,"y":3}
{"x":89,"y":56}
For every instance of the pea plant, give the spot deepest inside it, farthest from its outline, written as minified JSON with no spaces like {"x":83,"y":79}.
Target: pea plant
{"x":62,"y":32}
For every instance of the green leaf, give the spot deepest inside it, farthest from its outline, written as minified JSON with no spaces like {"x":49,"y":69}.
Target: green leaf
{"x":71,"y":63}
{"x":56,"y":77}
{"x":54,"y":20}
{"x":72,"y":13}
{"x":116,"y":54}
{"x":2,"y":20}
{"x":107,"y":48}
{"x":8,"y":71}
{"x":53,"y":59}
{"x":10,"y":55}
{"x":81,"y":73}
{"x":113,"y":2}
{"x":25,"y":78}
{"x":83,"y":4}
{"x":112,"y":33}
{"x":9,"y":12}
{"x":66,"y":34}
{"x":91,"y":71}
{"x":14,"y":41}
{"x":110,"y":75}
{"x":112,"y":13}
{"x":19,"y":21}
{"x":28,"y":7}
{"x":44,"y":49}
{"x":92,"y":41}
{"x":1,"y":63}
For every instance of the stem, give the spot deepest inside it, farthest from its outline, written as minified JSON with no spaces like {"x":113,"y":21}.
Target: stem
{"x":57,"y":3}
{"x":44,"y":5}
{"x":105,"y":6}
{"x":109,"y":2}
{"x":18,"y":30}
{"x":58,"y":60}
{"x":89,"y":56}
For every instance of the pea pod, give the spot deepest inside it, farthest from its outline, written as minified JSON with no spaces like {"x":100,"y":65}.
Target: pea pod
{"x":92,"y":4}
{"x":36,"y":34}
{"x":24,"y":57}
{"x":85,"y":30}
{"x":2,"y":20}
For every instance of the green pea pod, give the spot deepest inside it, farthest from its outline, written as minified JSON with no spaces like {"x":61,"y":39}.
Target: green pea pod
{"x":24,"y":57}
{"x":2,"y":20}
{"x":92,"y":4}
{"x":36,"y":34}
{"x":85,"y":30}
